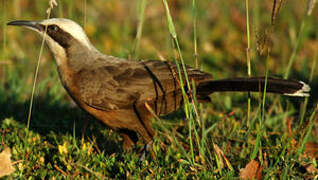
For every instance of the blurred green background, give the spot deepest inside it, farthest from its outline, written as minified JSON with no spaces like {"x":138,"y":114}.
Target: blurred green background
{"x":111,"y":25}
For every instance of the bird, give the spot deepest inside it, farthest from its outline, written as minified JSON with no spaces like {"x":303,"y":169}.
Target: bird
{"x":120,"y":92}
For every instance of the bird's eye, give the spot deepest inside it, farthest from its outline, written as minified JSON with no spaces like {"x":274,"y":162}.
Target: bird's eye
{"x":53,"y":28}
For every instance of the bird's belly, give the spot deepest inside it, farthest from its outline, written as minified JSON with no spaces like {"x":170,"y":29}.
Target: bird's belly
{"x":116,"y":119}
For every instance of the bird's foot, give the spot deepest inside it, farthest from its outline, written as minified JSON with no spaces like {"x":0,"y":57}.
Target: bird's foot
{"x":146,"y":149}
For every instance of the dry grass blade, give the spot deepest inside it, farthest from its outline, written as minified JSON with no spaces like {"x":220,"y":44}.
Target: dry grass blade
{"x":99,"y":175}
{"x":222,"y":157}
{"x":60,"y":170}
{"x":310,"y":6}
{"x":275,"y":10}
{"x":52,"y":3}
{"x":218,"y":153}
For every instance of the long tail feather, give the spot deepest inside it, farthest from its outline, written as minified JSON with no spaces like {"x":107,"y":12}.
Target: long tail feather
{"x":255,"y":84}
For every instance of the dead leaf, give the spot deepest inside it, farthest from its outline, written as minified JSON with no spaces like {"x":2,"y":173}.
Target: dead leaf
{"x":252,"y":170}
{"x":311,"y":169}
{"x":6,"y":167}
{"x":311,"y":149}
{"x":310,"y":152}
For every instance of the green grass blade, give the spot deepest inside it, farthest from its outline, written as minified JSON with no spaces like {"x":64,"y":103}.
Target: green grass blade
{"x":4,"y":36}
{"x":248,"y":59}
{"x":304,"y":107}
{"x":300,"y":38}
{"x":141,"y":17}
{"x":308,"y":132}
{"x":195,"y":43}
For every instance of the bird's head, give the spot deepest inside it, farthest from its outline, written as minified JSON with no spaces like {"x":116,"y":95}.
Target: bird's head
{"x":61,"y":31}
{"x":61,"y":34}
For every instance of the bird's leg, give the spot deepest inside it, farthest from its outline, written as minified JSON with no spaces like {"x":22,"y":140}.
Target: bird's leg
{"x":85,"y":124}
{"x":148,"y":138}
{"x":147,"y":148}
{"x":144,"y":128}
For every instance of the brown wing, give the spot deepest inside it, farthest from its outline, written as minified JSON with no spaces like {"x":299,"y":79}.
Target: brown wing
{"x":121,"y":85}
{"x":166,"y":92}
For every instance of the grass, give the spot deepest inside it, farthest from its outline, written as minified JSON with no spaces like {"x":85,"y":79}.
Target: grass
{"x":248,"y":59}
{"x":203,"y":140}
{"x":141,"y":14}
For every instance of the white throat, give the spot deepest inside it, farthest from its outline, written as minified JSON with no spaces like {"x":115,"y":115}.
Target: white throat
{"x":57,"y":51}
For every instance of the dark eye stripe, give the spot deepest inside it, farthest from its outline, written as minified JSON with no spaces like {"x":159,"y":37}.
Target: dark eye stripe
{"x":60,"y":36}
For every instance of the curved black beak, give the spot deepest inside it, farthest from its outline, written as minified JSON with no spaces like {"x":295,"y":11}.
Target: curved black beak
{"x":28,"y":24}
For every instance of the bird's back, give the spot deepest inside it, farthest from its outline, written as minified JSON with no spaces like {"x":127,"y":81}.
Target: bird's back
{"x":122,"y":84}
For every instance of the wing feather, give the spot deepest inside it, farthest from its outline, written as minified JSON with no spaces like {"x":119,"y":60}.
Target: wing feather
{"x":120,"y":85}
